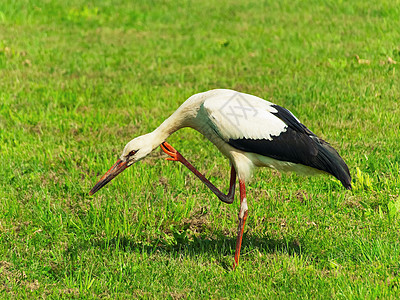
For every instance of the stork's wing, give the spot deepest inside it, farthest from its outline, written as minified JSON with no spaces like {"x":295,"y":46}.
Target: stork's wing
{"x":235,"y":115}
{"x":252,"y":124}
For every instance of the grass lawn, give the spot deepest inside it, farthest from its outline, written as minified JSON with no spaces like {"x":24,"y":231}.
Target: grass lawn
{"x":79,"y":79}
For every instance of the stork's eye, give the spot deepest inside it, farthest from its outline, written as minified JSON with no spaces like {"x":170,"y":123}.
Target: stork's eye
{"x":132,"y":153}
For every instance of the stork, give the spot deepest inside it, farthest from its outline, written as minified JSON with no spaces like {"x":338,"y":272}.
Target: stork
{"x":250,"y":132}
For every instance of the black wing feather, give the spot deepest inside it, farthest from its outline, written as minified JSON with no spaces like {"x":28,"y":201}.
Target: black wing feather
{"x":298,"y":145}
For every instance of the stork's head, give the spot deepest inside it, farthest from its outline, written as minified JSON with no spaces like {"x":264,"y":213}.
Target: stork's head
{"x":135,"y":150}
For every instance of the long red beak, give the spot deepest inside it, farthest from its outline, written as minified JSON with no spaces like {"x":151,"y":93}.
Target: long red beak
{"x":117,"y":168}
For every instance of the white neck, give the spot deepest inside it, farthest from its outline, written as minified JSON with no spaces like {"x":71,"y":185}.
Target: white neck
{"x":182,"y":117}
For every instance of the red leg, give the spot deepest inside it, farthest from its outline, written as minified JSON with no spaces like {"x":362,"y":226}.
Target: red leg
{"x":242,"y":221}
{"x":176,"y":156}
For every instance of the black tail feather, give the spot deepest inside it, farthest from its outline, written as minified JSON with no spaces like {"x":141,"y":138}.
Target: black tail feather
{"x":326,"y":158}
{"x":329,"y":160}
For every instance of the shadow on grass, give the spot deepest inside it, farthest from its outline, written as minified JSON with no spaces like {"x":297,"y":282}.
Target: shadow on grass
{"x":219,"y":246}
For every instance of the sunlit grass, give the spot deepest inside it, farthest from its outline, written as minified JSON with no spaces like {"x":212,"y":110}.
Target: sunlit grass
{"x":78,"y":80}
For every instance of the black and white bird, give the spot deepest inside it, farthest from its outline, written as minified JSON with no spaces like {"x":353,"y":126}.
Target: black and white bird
{"x":250,"y":132}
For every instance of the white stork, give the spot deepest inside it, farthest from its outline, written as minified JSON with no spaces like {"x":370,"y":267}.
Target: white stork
{"x":250,"y":132}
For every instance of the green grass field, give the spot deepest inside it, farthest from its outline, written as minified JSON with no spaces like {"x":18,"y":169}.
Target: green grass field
{"x":79,"y":79}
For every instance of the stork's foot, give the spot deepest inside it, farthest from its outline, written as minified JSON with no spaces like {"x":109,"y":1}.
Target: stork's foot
{"x":171,"y":151}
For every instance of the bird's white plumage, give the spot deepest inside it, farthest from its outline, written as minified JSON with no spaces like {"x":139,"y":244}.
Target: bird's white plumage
{"x":235,"y":115}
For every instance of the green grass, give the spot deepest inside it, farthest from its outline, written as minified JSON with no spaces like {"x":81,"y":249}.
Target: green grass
{"x":79,"y":79}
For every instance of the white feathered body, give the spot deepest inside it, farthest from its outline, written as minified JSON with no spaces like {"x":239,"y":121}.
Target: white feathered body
{"x":222,"y":115}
